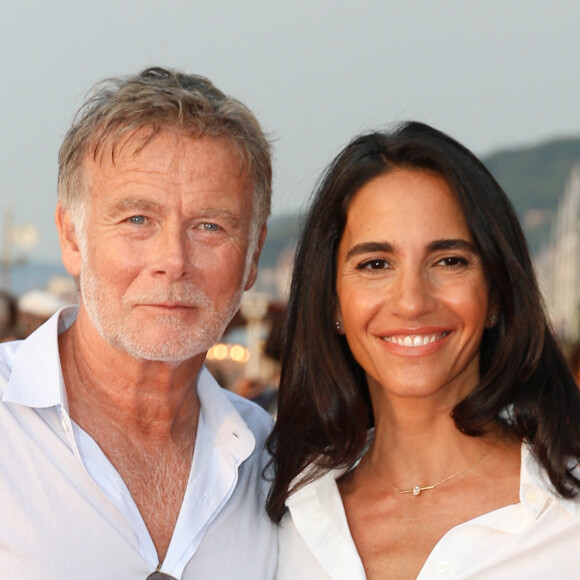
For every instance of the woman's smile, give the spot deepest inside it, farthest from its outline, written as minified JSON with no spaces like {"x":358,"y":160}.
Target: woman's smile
{"x":413,"y":295}
{"x":414,"y":340}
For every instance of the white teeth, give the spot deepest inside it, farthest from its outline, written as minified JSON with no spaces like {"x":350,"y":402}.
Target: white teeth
{"x":414,"y":339}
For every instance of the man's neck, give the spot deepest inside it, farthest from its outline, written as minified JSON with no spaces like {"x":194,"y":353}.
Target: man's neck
{"x":144,"y":417}
{"x":147,"y":398}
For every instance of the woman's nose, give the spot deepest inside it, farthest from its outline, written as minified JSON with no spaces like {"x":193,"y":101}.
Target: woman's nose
{"x":412,"y":293}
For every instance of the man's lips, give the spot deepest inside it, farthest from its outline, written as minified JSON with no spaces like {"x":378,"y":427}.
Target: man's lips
{"x":168,"y":305}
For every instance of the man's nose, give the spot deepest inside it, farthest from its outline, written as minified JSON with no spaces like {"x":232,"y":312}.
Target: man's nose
{"x":172,"y":253}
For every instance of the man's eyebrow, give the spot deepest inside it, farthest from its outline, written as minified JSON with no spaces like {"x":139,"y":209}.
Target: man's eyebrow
{"x":133,"y":204}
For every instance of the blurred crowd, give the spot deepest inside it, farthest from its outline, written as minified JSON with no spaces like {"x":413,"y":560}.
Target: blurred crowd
{"x":21,"y":315}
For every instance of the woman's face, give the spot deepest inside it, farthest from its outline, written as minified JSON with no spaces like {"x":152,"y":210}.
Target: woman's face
{"x":413,"y":296}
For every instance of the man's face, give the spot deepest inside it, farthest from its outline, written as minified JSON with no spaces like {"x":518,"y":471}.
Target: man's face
{"x":162,"y":259}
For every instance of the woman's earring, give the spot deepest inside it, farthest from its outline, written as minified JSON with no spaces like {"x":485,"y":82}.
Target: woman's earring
{"x":492,"y":319}
{"x":337,"y":324}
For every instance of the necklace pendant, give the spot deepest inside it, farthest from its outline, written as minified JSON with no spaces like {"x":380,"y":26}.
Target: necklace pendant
{"x":416,"y":490}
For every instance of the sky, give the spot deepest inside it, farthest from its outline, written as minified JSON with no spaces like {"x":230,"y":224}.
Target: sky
{"x":494,"y":74}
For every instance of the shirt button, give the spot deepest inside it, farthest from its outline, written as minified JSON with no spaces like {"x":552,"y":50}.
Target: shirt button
{"x":443,"y":567}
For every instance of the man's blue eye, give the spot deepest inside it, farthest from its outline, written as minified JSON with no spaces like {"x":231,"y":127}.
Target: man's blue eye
{"x":137,"y":220}
{"x":208,"y":227}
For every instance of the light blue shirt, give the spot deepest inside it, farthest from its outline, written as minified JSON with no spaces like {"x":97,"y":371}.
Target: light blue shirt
{"x":66,"y":512}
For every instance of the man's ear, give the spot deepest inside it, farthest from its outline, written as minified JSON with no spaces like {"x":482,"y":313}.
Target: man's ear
{"x":253,"y":273}
{"x":69,"y":244}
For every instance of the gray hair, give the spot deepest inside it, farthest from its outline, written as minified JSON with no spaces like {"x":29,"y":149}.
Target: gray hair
{"x":155,"y":99}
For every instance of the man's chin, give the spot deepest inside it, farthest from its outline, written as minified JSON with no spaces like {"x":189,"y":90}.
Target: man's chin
{"x":163,"y":353}
{"x":167,"y":349}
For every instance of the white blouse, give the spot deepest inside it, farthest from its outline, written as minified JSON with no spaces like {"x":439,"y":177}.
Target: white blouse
{"x":539,"y":537}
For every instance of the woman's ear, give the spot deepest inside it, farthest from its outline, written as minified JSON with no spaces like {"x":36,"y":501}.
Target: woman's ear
{"x":338,"y":324}
{"x":493,"y":310}
{"x":491,"y":320}
{"x":69,"y":244}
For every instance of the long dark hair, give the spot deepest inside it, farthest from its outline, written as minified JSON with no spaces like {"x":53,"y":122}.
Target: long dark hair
{"x":324,"y":409}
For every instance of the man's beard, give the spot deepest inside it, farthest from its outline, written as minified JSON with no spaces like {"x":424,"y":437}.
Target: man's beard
{"x":166,"y":338}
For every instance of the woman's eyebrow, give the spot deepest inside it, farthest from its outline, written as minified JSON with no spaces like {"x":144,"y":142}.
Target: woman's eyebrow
{"x":369,"y":247}
{"x":434,"y":246}
{"x":451,"y":244}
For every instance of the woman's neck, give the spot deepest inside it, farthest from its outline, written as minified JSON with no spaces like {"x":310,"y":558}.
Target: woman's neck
{"x":423,"y":450}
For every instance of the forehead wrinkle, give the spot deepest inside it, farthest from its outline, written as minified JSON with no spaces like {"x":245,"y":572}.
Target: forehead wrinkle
{"x":136,"y":144}
{"x":131,"y":145}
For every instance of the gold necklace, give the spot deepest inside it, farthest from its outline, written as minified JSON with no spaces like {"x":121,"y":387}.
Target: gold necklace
{"x":417,"y":489}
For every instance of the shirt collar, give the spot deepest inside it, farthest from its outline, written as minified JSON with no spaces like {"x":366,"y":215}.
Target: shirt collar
{"x":36,"y":381}
{"x":36,"y":377}
{"x":535,"y":486}
{"x":224,"y":426}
